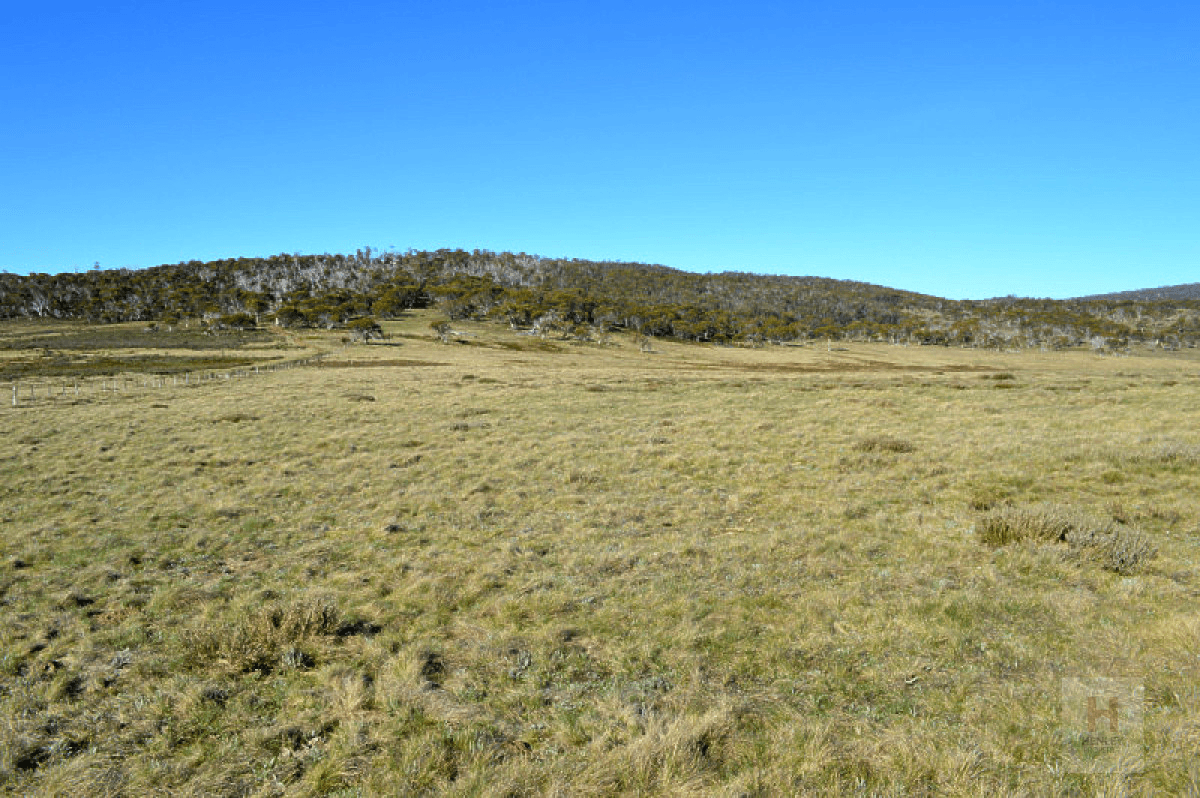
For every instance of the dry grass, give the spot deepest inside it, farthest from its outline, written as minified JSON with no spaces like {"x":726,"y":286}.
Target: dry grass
{"x":884,"y":443}
{"x":1112,"y":544}
{"x":485,"y":568}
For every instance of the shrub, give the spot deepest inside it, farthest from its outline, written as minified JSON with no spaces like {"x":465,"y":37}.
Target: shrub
{"x":364,"y":329}
{"x":1114,"y":547}
{"x":236,"y":321}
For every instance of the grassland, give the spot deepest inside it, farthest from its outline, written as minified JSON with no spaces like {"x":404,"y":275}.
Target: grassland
{"x":56,"y":350}
{"x":514,"y":566}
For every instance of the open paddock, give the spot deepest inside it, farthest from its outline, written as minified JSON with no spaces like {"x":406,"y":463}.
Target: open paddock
{"x":515,"y":566}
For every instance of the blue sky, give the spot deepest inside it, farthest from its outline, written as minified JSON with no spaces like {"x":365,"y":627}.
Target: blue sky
{"x":960,"y":149}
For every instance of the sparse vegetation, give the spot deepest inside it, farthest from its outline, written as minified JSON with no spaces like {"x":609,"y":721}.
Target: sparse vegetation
{"x":499,"y":569}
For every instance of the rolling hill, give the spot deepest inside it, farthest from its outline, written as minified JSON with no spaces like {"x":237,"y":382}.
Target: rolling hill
{"x":575,"y":297}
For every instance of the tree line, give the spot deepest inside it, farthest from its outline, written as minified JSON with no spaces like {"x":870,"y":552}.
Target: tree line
{"x":572,"y":297}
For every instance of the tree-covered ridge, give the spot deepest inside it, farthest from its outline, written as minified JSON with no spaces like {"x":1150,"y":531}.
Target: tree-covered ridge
{"x":1166,"y":292}
{"x":580,"y":297}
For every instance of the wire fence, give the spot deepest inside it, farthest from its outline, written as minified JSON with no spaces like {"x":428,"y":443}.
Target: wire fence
{"x":24,"y":393}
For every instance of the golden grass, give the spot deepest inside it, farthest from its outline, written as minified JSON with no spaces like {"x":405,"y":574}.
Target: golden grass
{"x":514,"y":566}
{"x":1112,"y":544}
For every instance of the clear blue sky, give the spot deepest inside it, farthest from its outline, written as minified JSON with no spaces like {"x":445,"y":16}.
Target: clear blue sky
{"x":959,"y":149}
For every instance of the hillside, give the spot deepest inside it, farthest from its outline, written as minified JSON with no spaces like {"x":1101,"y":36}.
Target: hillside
{"x":1187,"y":291}
{"x":573,"y":297}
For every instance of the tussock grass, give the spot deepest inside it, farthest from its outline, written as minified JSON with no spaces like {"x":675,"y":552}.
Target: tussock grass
{"x":1171,"y":452}
{"x":716,"y":575}
{"x":1011,"y":525}
{"x":264,"y":637}
{"x":1112,"y":544}
{"x":884,"y":443}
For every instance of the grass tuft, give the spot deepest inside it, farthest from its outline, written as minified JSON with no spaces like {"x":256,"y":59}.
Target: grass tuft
{"x":269,"y":637}
{"x":1171,"y":453}
{"x":884,"y":443}
{"x":1113,"y":545}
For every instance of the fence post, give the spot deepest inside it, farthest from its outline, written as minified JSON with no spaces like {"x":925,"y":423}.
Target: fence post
{"x":14,"y":394}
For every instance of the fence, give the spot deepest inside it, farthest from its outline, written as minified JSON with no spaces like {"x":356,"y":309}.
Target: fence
{"x":49,"y":389}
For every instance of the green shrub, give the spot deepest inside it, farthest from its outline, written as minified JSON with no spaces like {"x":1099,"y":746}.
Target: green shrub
{"x":236,"y":321}
{"x":364,"y":329}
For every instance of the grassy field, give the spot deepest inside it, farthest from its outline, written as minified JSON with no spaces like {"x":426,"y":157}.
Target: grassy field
{"x":515,"y":566}
{"x":42,"y":351}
